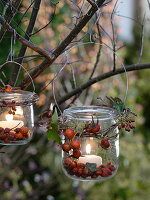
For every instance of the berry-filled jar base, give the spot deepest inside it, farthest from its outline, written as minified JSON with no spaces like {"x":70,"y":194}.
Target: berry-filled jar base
{"x":88,"y":171}
{"x":17,"y":136}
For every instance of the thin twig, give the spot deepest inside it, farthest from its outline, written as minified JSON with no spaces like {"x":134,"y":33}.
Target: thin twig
{"x":113,"y":35}
{"x":53,"y":15}
{"x":98,"y":53}
{"x":15,"y":7}
{"x":25,"y":13}
{"x":142,"y":40}
{"x":23,"y":49}
{"x":27,"y":43}
{"x":39,"y":69}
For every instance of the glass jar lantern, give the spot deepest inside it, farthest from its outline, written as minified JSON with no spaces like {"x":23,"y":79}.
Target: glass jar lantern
{"x":16,"y":116}
{"x":90,"y":143}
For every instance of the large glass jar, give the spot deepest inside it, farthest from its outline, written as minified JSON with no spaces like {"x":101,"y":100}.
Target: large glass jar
{"x":90,"y":143}
{"x":16,"y":116}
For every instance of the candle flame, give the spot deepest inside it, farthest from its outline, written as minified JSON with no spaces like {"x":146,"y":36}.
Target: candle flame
{"x":88,"y":148}
{"x":9,"y":117}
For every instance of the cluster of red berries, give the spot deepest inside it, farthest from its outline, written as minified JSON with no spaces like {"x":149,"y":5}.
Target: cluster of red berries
{"x":73,"y":144}
{"x":12,"y":110}
{"x":81,"y":170}
{"x":8,"y":135}
{"x":92,"y":128}
{"x":127,"y":125}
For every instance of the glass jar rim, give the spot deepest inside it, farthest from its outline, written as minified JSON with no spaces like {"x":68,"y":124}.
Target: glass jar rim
{"x":84,"y":112}
{"x":17,"y":97}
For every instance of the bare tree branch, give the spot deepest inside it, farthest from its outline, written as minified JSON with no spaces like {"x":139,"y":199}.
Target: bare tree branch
{"x":92,"y":3}
{"x":60,"y":49}
{"x":101,"y":77}
{"x":27,"y":43}
{"x":15,"y":7}
{"x":27,"y":37}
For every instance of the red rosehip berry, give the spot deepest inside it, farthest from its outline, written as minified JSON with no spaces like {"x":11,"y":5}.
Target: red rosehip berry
{"x":69,"y":133}
{"x":10,"y":112}
{"x":19,"y":136}
{"x":105,"y":143}
{"x":107,"y":170}
{"x":1,"y":129}
{"x":127,"y":128}
{"x":72,"y":165}
{"x":7,"y":130}
{"x":75,"y":170}
{"x":13,"y":108}
{"x":88,"y":128}
{"x":109,"y":163}
{"x":86,"y":171}
{"x":119,"y":127}
{"x":49,"y":114}
{"x":95,"y":129}
{"x":66,"y":146}
{"x":131,"y":126}
{"x":132,"y":120}
{"x":75,"y":144}
{"x":123,"y":124}
{"x":112,"y":168}
{"x":76,"y":153}
{"x":79,"y":172}
{"x":67,"y":162}
{"x":105,"y":174}
{"x":24,"y":130}
{"x":81,"y":165}
{"x":99,"y":172}
{"x":8,"y":88}
{"x":101,"y":166}
{"x":94,"y":176}
{"x":17,"y":130}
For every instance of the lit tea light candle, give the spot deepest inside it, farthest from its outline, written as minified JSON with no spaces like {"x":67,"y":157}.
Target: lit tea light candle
{"x":90,"y":158}
{"x":10,"y":123}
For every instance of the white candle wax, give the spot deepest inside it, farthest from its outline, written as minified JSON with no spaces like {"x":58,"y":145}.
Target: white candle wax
{"x":90,"y":159}
{"x":11,"y":124}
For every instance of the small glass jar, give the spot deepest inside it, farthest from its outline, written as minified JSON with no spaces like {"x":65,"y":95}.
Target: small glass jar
{"x":16,"y":116}
{"x":90,"y":143}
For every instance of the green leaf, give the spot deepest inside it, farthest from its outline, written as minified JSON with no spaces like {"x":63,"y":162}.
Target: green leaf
{"x":91,"y":166}
{"x":52,"y":134}
{"x":55,"y":116}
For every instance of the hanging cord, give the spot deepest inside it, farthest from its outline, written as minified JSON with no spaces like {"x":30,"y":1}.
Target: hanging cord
{"x":11,"y":55}
{"x":1,"y":66}
{"x":53,"y":83}
{"x":118,"y":57}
